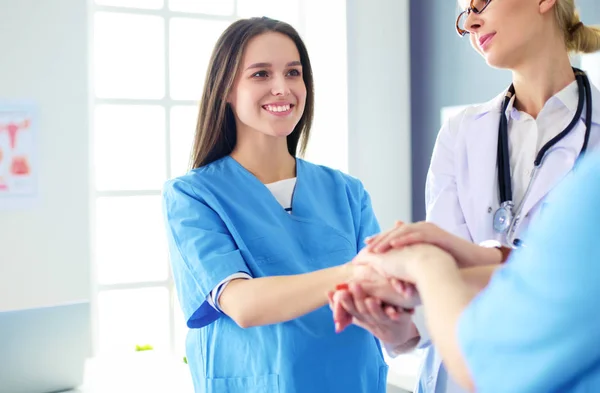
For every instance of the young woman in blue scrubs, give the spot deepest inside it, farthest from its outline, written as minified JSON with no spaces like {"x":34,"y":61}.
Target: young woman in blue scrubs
{"x":258,"y":236}
{"x":536,"y":326}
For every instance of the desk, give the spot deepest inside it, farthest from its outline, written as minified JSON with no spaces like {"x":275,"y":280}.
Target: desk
{"x":153,"y":372}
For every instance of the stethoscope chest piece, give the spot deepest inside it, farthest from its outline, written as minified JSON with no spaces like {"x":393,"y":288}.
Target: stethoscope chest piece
{"x":506,"y":218}
{"x":503,"y":217}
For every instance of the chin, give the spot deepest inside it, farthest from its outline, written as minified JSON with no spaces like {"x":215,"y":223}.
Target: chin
{"x":281,"y":129}
{"x":281,"y":132}
{"x":505,"y":60}
{"x":496,"y":62}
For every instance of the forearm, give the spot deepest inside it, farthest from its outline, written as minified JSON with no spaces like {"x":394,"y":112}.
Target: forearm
{"x":478,"y":277}
{"x":268,"y":300}
{"x":445,"y":295}
{"x":468,"y":254}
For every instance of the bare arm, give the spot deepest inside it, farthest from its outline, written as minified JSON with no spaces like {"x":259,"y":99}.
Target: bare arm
{"x":443,"y":291}
{"x":407,"y":334}
{"x":478,"y":277}
{"x":446,"y":294}
{"x":268,"y":300}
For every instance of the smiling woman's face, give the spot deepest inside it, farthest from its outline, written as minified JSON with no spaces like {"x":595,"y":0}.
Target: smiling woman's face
{"x":269,"y":94}
{"x":507,"y":32}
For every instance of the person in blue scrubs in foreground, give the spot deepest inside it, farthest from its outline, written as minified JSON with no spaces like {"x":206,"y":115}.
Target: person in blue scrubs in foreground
{"x":257,"y":236}
{"x":535,"y":327}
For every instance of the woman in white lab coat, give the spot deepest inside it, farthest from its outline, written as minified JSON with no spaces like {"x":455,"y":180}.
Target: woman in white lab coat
{"x":489,"y":173}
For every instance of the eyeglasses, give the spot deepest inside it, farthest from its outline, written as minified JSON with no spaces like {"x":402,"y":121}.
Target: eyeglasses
{"x":476,"y":6}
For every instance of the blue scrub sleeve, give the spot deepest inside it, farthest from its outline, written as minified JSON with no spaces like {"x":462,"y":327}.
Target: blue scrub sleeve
{"x":533,"y":328}
{"x":368,"y":224}
{"x":202,"y":251}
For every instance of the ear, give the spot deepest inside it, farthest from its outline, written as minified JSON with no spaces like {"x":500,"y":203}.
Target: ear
{"x":546,"y":5}
{"x":231,"y":97}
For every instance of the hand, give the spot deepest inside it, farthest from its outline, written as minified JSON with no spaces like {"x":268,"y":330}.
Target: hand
{"x":386,"y":322}
{"x":404,"y":264}
{"x":464,"y":252}
{"x":376,"y":285}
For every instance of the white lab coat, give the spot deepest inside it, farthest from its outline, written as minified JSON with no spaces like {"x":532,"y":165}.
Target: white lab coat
{"x":462,"y":190}
{"x":462,"y":186}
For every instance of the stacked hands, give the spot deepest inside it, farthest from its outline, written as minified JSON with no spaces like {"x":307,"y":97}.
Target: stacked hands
{"x":382,"y":294}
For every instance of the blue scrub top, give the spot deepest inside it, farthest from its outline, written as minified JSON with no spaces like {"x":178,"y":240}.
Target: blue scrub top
{"x":221,"y":220}
{"x":536,"y":327}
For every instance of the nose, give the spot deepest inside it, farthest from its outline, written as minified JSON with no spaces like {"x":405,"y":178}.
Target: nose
{"x":280,"y":86}
{"x":473,"y":22}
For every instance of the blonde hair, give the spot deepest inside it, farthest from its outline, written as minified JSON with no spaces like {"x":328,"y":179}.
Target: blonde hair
{"x":578,"y":37}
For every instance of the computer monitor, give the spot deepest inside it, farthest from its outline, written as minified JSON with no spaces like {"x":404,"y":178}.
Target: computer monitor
{"x":44,"y":349}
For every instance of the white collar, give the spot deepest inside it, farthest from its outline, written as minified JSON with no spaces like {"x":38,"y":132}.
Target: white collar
{"x":568,"y":96}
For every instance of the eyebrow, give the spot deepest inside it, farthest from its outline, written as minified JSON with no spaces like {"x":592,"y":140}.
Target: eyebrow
{"x":267,"y":65}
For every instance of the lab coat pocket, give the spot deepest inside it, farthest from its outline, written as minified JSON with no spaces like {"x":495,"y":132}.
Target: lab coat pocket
{"x":255,"y":384}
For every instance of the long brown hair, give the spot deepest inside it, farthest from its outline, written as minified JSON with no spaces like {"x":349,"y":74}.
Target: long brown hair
{"x":216,"y":131}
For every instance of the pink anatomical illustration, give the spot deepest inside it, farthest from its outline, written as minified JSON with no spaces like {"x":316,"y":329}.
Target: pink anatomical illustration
{"x":15,"y":160}
{"x":3,"y":185}
{"x":12,"y":129}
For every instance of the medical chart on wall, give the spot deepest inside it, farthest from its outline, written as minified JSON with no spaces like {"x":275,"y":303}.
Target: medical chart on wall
{"x":18,"y":183}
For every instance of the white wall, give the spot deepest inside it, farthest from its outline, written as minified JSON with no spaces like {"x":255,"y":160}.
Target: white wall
{"x":44,"y":250}
{"x":379,"y":104}
{"x":379,"y":138}
{"x":590,"y":63}
{"x":324,"y":29}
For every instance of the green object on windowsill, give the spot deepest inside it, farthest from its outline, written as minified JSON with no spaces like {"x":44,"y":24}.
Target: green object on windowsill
{"x":147,"y":347}
{"x":185,"y":360}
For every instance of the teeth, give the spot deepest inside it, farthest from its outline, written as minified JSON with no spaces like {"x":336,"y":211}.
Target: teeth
{"x":274,"y":108}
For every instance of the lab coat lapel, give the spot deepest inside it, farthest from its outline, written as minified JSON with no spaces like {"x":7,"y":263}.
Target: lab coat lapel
{"x":482,"y":143}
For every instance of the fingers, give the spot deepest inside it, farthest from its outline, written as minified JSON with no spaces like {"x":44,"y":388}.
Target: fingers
{"x":375,"y":310}
{"x":408,"y":240}
{"x":409,"y":293}
{"x":374,"y":238}
{"x":405,"y":235}
{"x":359,"y":297}
{"x":350,"y":306}
{"x":383,"y":243}
{"x":392,"y":313}
{"x":405,"y":289}
{"x":363,"y":325}
{"x":341,"y":314}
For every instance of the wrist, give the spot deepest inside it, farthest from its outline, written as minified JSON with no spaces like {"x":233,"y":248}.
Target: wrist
{"x":494,"y":252}
{"x":345,"y":272}
{"x":435,"y":259}
{"x":488,"y":256}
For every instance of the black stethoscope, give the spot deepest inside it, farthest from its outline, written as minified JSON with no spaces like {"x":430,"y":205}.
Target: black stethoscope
{"x":506,"y":218}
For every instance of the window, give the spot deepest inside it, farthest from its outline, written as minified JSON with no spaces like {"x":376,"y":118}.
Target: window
{"x":148,"y":63}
